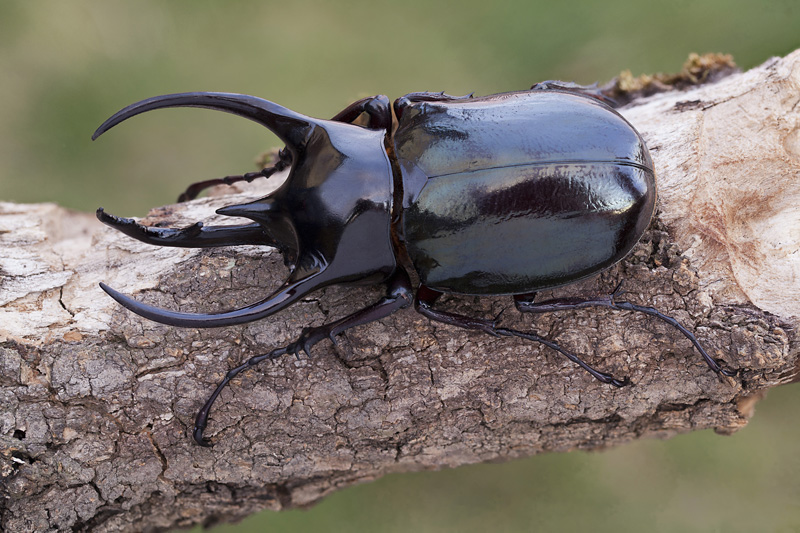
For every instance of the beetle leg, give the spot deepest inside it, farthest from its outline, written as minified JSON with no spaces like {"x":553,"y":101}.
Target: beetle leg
{"x":284,"y":161}
{"x":399,"y":295}
{"x":590,"y":91}
{"x":426,"y":297}
{"x":527,"y":305}
{"x":427,"y":96}
{"x":194,"y":236}
{"x":404,"y":101}
{"x":376,"y":108}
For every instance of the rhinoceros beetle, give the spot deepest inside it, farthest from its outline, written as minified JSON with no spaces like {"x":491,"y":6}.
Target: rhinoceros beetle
{"x":507,"y":194}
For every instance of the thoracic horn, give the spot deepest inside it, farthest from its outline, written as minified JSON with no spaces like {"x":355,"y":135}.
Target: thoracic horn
{"x":275,"y":222}
{"x":288,"y":293}
{"x":293,"y":128}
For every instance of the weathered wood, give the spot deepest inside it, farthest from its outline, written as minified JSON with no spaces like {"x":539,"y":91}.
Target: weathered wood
{"x":98,"y":404}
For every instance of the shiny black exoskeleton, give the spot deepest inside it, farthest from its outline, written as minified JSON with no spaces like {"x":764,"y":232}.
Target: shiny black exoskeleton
{"x":505,"y":194}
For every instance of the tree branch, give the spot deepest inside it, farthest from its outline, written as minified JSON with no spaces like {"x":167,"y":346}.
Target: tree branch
{"x":98,"y":404}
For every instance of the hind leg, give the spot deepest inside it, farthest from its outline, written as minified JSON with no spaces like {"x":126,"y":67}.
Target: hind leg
{"x":426,"y":297}
{"x":526,"y":304}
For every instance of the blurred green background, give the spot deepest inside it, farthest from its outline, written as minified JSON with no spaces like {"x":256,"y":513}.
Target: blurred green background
{"x":66,"y":66}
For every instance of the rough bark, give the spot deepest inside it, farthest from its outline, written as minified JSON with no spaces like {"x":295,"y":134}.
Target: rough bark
{"x":98,"y":404}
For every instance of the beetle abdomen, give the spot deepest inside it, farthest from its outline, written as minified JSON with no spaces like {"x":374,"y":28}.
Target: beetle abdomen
{"x":553,"y":188}
{"x":543,"y":226}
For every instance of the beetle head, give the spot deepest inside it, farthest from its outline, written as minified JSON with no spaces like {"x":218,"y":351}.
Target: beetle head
{"x":330,"y":218}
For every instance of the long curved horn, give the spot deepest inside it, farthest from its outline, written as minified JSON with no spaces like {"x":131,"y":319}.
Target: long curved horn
{"x":287,"y":294}
{"x":293,"y":128}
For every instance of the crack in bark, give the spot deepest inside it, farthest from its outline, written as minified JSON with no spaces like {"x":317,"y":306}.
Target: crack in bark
{"x":61,"y":301}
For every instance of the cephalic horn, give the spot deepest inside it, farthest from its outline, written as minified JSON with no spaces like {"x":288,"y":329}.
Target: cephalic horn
{"x":292,"y":128}
{"x":259,"y":210}
{"x":288,"y":293}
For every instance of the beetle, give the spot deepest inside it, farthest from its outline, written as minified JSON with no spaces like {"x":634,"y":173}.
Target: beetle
{"x":507,"y":194}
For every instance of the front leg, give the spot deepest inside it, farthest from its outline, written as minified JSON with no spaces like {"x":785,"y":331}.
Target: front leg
{"x":283,"y":161}
{"x":399,"y":295}
{"x":376,"y":108}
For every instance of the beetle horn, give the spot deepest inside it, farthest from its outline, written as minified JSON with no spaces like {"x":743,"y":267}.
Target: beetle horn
{"x":293,"y":128}
{"x":260,"y":210}
{"x":274,"y":223}
{"x":288,"y":293}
